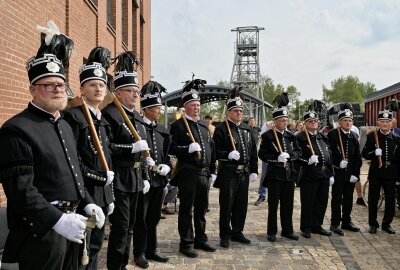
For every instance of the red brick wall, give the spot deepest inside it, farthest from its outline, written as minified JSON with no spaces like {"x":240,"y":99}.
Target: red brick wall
{"x":85,"y":21}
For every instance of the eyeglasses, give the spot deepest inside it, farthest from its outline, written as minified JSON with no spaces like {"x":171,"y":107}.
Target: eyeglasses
{"x":237,"y":111}
{"x":51,"y":87}
{"x":312,"y":121}
{"x":131,"y":91}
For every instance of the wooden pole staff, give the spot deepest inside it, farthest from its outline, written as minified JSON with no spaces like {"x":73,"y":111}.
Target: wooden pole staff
{"x":128,"y":122}
{"x":95,"y":137}
{"x":190,"y":134}
{"x":377,"y":146}
{"x":278,"y":143}
{"x":341,"y":144}
{"x":309,"y":143}
{"x":230,"y":134}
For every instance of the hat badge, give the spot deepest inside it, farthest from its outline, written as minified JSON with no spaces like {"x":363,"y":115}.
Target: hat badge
{"x":386,"y":115}
{"x":98,"y":72}
{"x":347,"y":113}
{"x":284,"y":112}
{"x":159,"y":100}
{"x":238,"y":103}
{"x":194,"y":95}
{"x":53,"y":67}
{"x":312,"y":115}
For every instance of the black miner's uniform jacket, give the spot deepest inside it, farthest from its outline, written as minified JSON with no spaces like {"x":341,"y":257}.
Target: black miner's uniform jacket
{"x":269,"y":152}
{"x":127,"y":178}
{"x":180,"y":148}
{"x":390,"y":145}
{"x":352,"y":151}
{"x":320,"y":146}
{"x":159,"y":142}
{"x":38,"y":165}
{"x":244,"y":143}
{"x":94,"y":174}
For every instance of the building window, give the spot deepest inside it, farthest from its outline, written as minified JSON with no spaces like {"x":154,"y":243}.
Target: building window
{"x":124,"y":21}
{"x":135,"y":8}
{"x":111,"y":13}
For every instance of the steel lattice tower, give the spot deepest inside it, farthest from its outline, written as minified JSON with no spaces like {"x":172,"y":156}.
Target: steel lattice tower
{"x":246,"y":67}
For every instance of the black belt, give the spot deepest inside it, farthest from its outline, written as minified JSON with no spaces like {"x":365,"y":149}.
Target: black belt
{"x":67,"y":206}
{"x":319,"y":167}
{"x":130,"y":164}
{"x":195,"y":168}
{"x":237,"y":167}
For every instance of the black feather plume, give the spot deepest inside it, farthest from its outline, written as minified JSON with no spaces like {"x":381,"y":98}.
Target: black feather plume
{"x":317,"y":106}
{"x":393,"y":105}
{"x":100,"y":55}
{"x":194,"y":84}
{"x":344,"y":106}
{"x":126,"y":61}
{"x":152,"y":87}
{"x":61,"y":46}
{"x":281,"y":100}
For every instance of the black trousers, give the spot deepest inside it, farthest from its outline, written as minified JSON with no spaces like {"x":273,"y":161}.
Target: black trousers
{"x":375,"y":186}
{"x":193,"y":197}
{"x":233,"y":200}
{"x":124,"y":214}
{"x":147,"y":218}
{"x":283,"y":192}
{"x":52,"y":251}
{"x":341,"y":202}
{"x":314,"y":200}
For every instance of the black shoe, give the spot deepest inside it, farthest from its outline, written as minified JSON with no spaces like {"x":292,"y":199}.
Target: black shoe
{"x":224,"y":243}
{"x":241,"y":239}
{"x":322,"y":232}
{"x":208,"y":210}
{"x":141,"y":261}
{"x":306,"y":234}
{"x":372,"y":229}
{"x":189,"y":252}
{"x":166,"y":211}
{"x":337,"y":230}
{"x":162,"y":216}
{"x":157,"y":257}
{"x":388,"y":229}
{"x":259,"y":201}
{"x":350,"y":227}
{"x":271,"y":238}
{"x":290,"y":236}
{"x":205,"y":247}
{"x":360,"y":201}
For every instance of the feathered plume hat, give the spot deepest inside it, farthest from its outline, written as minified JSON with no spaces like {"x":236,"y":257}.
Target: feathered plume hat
{"x":346,"y":111}
{"x":190,"y":90}
{"x":235,"y":100}
{"x":96,"y":66}
{"x":151,"y":94}
{"x":125,"y":70}
{"x":385,"y":115}
{"x":280,"y":101}
{"x":53,"y":55}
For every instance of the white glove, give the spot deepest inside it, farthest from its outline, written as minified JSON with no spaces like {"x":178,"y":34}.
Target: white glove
{"x":100,"y":218}
{"x":213,"y":177}
{"x":234,"y":155}
{"x":194,"y":147}
{"x":343,"y":164}
{"x":163,"y":169}
{"x":72,"y":227}
{"x":146,"y":187}
{"x":253,"y":177}
{"x":110,"y":177}
{"x":313,"y":159}
{"x":285,"y":155}
{"x":331,"y":181}
{"x":353,"y":179}
{"x":378,"y":152}
{"x":140,"y":146}
{"x":282,"y":158}
{"x":150,"y":162}
{"x":397,"y":183}
{"x":111,"y":207}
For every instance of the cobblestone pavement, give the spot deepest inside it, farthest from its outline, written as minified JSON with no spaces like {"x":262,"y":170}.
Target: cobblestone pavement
{"x":352,"y":251}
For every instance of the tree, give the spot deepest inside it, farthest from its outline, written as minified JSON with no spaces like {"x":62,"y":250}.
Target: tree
{"x":347,"y":89}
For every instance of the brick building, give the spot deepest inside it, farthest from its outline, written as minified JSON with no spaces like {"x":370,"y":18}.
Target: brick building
{"x":119,"y":25}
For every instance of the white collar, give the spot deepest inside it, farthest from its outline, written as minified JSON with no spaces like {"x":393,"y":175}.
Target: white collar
{"x":97,"y":113}
{"x":380,"y":130}
{"x":345,"y":132}
{"x":313,"y":133}
{"x":56,"y":114}
{"x":238,"y":124}
{"x":190,"y":118}
{"x":148,"y":121}
{"x":128,"y":108}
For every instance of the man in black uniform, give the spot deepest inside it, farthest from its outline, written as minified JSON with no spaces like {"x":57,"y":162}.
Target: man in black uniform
{"x":347,"y":171}
{"x":196,"y":164}
{"x":316,"y":177}
{"x":127,"y":161}
{"x":39,"y":169}
{"x":149,"y":205}
{"x":235,"y":166}
{"x":388,"y":151}
{"x":281,"y":175}
{"x":93,"y":80}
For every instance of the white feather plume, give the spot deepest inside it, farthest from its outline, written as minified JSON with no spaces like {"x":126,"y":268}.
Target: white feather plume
{"x":50,"y":31}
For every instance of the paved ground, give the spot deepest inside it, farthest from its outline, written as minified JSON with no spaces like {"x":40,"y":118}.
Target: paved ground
{"x":353,"y":251}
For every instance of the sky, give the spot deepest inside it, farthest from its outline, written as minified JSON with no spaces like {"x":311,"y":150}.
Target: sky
{"x":306,"y":43}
